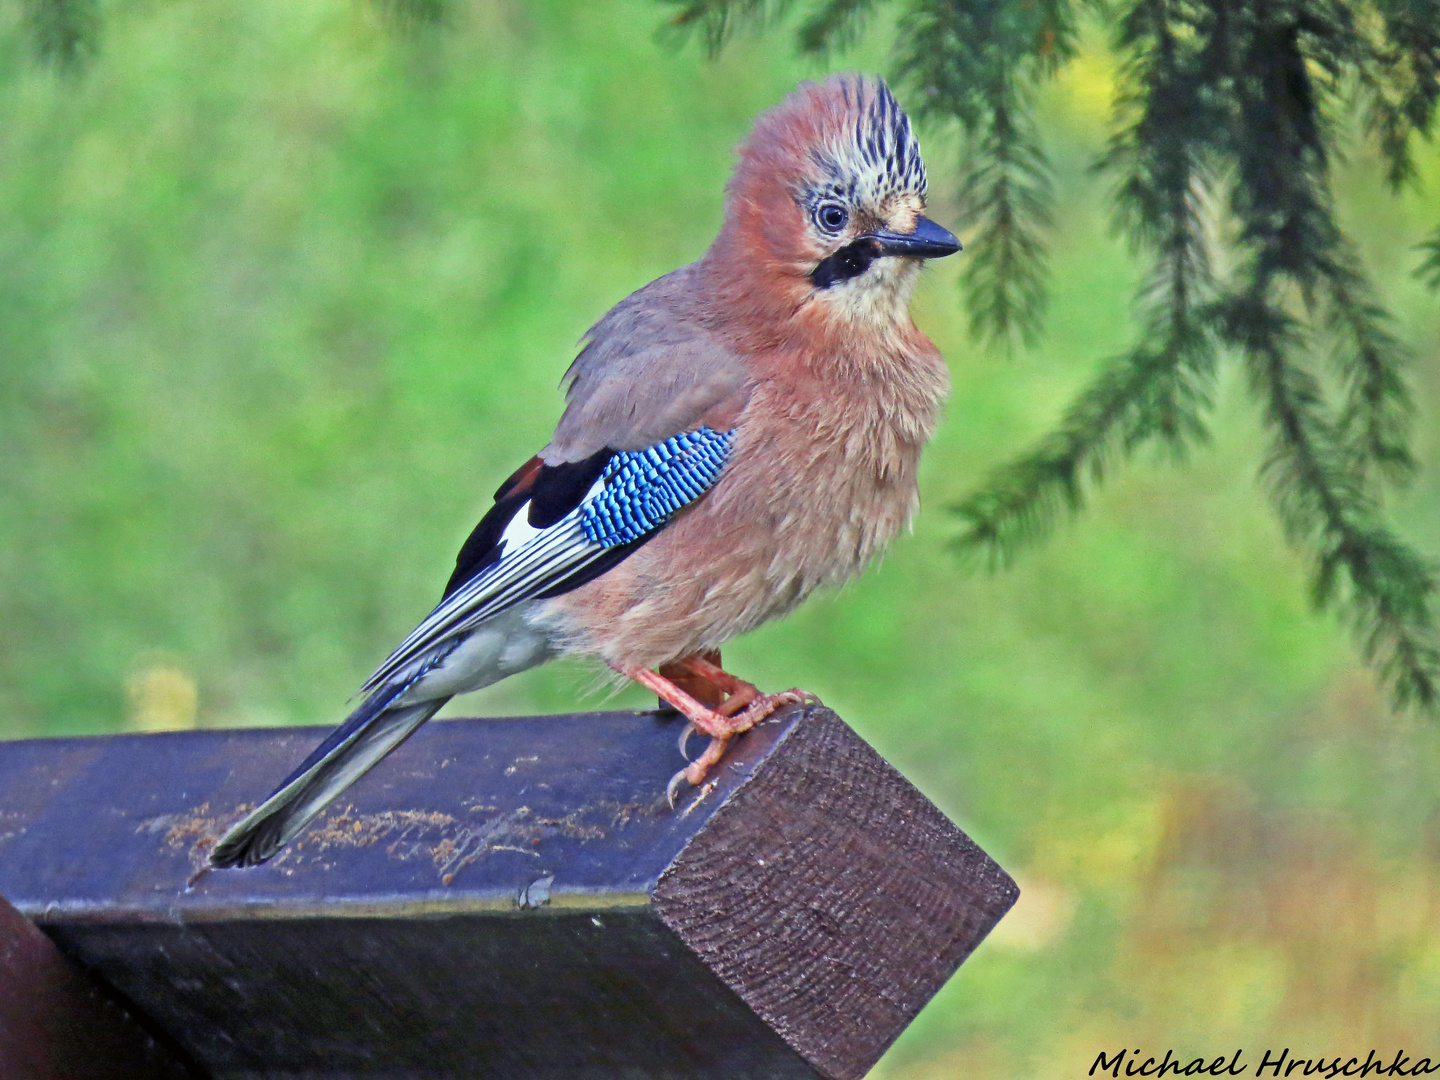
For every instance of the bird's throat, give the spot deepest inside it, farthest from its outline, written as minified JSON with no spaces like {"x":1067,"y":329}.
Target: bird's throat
{"x":875,"y":300}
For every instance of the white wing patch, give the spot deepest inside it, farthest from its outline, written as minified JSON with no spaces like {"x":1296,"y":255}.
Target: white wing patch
{"x":531,"y":561}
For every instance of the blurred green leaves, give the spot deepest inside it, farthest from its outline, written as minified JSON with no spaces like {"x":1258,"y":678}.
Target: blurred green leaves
{"x":64,"y":32}
{"x":286,"y":290}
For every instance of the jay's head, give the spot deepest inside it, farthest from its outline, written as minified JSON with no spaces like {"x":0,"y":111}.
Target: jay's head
{"x":827,"y":203}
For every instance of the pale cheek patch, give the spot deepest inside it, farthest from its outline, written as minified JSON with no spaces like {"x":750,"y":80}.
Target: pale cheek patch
{"x":880,"y":297}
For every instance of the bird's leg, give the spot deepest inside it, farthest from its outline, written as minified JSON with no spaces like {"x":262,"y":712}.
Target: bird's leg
{"x":696,"y":682}
{"x":716,"y":687}
{"x":706,"y":667}
{"x":741,"y":695}
{"x":720,"y":724}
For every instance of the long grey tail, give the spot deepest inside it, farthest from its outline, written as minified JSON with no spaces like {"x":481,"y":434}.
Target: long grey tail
{"x":348,"y":752}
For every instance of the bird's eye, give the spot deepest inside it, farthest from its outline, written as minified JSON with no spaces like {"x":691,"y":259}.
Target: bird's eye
{"x":832,"y":217}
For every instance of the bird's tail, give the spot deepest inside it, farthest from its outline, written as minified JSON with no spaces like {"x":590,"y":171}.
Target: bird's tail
{"x":370,"y":732}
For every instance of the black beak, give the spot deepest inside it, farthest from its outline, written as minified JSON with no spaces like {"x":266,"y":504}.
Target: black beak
{"x":928,"y":241}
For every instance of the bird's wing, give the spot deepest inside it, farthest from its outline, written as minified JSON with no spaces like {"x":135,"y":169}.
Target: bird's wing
{"x":557,"y":528}
{"x":649,"y":369}
{"x":553,"y":527}
{"x":651,"y":404}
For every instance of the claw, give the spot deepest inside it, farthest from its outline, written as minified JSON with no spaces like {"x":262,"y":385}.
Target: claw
{"x":672,"y":789}
{"x":685,"y":733}
{"x":742,"y":708}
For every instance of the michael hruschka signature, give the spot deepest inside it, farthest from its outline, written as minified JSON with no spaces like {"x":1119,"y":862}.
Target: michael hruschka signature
{"x":1126,"y":1062}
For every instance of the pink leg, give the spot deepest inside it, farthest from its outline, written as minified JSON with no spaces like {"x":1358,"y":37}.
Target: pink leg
{"x":723,"y":723}
{"x":741,"y":693}
{"x":684,"y":674}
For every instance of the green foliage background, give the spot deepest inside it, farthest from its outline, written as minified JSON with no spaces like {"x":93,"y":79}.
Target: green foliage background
{"x":286,"y":289}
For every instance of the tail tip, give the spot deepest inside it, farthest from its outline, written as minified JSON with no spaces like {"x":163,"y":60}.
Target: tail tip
{"x":246,"y":844}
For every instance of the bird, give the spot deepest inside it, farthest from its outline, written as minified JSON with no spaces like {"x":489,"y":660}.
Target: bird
{"x":737,"y":434}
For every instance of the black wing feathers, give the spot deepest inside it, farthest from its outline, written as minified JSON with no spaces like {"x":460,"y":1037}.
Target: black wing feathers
{"x":356,"y":722}
{"x":561,"y":488}
{"x":552,"y":492}
{"x":482,"y":547}
{"x":591,"y":570}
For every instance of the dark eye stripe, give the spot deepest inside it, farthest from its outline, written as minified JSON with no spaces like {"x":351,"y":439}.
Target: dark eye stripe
{"x":850,"y":261}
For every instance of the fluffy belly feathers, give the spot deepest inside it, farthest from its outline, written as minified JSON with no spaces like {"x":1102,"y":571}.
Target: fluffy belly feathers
{"x":811,"y":495}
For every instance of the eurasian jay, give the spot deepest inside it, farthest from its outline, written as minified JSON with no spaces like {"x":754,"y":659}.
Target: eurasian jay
{"x":737,"y":434}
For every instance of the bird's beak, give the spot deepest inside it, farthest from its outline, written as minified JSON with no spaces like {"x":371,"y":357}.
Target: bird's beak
{"x":928,"y":241}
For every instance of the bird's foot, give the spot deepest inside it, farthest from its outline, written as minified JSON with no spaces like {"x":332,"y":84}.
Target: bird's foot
{"x":743,"y":708}
{"x":756,"y":708}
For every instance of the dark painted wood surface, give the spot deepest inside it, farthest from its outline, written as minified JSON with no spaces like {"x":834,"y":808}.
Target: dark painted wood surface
{"x":507,"y":898}
{"x":56,"y":1025}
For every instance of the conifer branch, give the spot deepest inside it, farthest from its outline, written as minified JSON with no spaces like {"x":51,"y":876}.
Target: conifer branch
{"x":1284,"y":203}
{"x":1399,"y":71}
{"x":1322,"y":470}
{"x":1159,"y":391}
{"x":834,"y":25}
{"x":1241,"y":88}
{"x":65,"y":32}
{"x":716,"y":21}
{"x":1151,"y":393}
{"x":1370,"y":361}
{"x":1004,"y":198}
{"x":1358,"y":564}
{"x":410,"y":16}
{"x":1429,"y":269}
{"x":976,"y":63}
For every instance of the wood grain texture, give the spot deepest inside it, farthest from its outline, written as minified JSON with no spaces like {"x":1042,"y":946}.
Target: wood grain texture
{"x":540,"y":995}
{"x":818,"y":876}
{"x":509,"y":898}
{"x":55,"y":1024}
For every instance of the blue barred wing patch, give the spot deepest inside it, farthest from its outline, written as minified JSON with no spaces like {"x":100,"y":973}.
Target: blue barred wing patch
{"x":643,"y":489}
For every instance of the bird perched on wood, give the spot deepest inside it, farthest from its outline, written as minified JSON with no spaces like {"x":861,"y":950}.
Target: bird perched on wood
{"x":737,"y":434}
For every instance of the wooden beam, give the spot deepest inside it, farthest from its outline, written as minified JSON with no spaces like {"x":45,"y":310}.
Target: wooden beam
{"x":55,"y":1024}
{"x":508,"y":898}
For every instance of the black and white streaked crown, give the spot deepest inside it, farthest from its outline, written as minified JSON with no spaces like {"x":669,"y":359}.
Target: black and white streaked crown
{"x":878,"y":156}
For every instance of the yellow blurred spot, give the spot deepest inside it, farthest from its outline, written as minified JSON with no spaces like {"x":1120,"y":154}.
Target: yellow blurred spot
{"x":1038,"y":918}
{"x":162,"y":698}
{"x":1088,"y":85}
{"x":1107,"y":855}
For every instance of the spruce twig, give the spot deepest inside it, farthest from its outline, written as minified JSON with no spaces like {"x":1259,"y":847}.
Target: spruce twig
{"x":976,"y":64}
{"x":1399,"y":71}
{"x":1429,"y":269}
{"x":1147,"y":393}
{"x":1005,"y":195}
{"x":1160,"y":389}
{"x":716,"y":21}
{"x":1358,"y":564}
{"x":65,"y":32}
{"x":1322,"y":471}
{"x":1370,"y":361}
{"x":834,"y":25}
